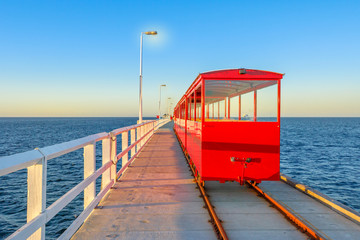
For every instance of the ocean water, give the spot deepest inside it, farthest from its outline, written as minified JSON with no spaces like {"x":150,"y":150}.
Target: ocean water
{"x":24,"y":134}
{"x":323,"y":153}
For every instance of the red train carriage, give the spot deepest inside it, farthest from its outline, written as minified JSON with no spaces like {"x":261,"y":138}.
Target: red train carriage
{"x":229,"y":123}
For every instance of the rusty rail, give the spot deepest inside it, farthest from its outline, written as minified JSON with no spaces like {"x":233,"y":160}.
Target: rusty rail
{"x":301,"y":223}
{"x":214,"y":218}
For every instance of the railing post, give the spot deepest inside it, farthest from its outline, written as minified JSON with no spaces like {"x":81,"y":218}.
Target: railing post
{"x":145,"y":131}
{"x":132,"y":133}
{"x":125,"y":144}
{"x":142,"y":134}
{"x":36,"y":196}
{"x":89,"y":168}
{"x":106,"y":157}
{"x":113,"y":157}
{"x":138,"y":133}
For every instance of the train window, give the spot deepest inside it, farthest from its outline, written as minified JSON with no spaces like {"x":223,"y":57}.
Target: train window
{"x":215,"y":110}
{"x":198,"y":103}
{"x":234,"y":108}
{"x":182,"y":110}
{"x":221,"y":111}
{"x":209,"y":111}
{"x":244,"y":100}
{"x":247,"y":106}
{"x":267,"y":104}
{"x":190,"y":106}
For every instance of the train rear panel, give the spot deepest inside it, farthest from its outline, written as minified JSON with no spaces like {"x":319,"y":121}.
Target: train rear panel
{"x":256,"y":141}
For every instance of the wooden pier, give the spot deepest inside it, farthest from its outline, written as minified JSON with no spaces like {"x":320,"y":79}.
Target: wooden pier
{"x":157,"y":198}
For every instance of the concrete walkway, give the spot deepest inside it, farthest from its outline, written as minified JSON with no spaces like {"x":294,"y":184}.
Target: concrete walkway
{"x":155,"y":199}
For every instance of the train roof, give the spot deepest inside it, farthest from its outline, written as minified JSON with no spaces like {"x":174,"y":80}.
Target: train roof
{"x":241,"y":73}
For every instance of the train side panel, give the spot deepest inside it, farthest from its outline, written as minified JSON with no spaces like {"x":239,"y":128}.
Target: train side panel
{"x":180,"y":129}
{"x":193,"y":143}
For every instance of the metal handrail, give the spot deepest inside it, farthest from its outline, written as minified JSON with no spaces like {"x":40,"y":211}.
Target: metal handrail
{"x":36,"y":162}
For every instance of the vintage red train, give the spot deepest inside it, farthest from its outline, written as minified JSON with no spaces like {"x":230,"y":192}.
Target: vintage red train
{"x":228,"y":122}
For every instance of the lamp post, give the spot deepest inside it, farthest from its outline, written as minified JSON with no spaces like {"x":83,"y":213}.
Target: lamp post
{"x":163,"y":85}
{"x":140,"y":93}
{"x":168,"y":106}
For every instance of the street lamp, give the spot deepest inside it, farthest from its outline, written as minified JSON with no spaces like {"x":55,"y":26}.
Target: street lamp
{"x":170,"y":110}
{"x":168,"y":106}
{"x":140,"y":94}
{"x":163,"y":85}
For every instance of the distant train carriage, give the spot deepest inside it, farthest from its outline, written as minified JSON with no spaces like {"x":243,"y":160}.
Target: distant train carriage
{"x":228,"y":121}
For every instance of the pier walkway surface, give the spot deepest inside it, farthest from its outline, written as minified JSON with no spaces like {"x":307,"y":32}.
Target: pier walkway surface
{"x":157,"y":198}
{"x":328,"y":223}
{"x":246,"y":215}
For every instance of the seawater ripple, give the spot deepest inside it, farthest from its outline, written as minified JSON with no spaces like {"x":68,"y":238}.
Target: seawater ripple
{"x":323,"y":153}
{"x":24,"y":134}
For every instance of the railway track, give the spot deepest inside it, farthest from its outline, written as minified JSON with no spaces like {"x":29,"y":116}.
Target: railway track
{"x":208,"y":193}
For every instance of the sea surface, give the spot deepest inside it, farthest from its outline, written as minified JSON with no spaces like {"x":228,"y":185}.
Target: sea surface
{"x":323,"y":153}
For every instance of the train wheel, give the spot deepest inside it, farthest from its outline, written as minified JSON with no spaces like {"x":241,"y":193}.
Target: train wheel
{"x":254,"y":182}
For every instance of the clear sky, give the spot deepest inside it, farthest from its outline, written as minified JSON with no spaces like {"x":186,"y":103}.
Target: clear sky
{"x":81,"y":58}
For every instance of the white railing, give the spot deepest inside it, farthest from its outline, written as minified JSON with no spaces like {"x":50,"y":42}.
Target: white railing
{"x":36,"y":163}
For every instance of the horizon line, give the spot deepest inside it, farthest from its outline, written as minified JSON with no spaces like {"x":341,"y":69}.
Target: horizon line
{"x":155,"y":117}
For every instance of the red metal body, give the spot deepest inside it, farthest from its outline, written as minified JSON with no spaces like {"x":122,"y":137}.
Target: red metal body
{"x":224,"y":144}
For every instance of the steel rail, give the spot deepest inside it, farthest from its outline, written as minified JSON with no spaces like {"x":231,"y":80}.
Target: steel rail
{"x":215,"y":220}
{"x":304,"y":225}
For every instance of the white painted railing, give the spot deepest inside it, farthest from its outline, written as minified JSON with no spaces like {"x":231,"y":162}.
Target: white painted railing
{"x":36,"y":163}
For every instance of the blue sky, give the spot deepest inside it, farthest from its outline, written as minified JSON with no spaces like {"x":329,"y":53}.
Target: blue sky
{"x":81,"y":58}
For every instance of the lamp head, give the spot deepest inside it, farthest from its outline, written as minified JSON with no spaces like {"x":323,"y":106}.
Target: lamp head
{"x":151,"y":33}
{"x":164,"y":85}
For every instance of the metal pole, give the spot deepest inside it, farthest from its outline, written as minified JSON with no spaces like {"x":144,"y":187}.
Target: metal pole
{"x":160,"y":103}
{"x":163,"y":85}
{"x":140,"y":93}
{"x":168,"y":106}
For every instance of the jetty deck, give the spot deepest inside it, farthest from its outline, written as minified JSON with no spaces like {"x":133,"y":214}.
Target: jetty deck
{"x":247,"y":215}
{"x":156,"y":198}
{"x":328,"y":223}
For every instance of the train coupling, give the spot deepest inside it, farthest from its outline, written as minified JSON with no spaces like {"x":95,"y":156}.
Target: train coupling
{"x":244,"y":160}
